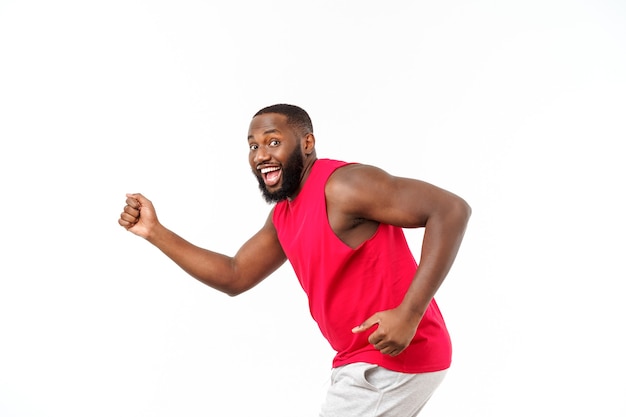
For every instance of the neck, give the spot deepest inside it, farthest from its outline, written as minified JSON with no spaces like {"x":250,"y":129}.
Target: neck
{"x":308,"y":165}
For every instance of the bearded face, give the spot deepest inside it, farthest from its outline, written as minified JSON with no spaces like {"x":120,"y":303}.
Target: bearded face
{"x":291,"y":176}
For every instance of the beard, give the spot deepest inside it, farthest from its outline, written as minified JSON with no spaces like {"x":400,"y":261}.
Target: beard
{"x":291,"y":175}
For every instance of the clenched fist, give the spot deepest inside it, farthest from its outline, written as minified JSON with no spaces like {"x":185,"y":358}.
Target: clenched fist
{"x":138,"y":216}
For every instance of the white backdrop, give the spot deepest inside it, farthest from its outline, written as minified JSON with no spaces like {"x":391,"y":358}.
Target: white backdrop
{"x":517,"y":106}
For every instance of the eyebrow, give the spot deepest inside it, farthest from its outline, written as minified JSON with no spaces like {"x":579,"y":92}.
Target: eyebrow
{"x":267,"y":132}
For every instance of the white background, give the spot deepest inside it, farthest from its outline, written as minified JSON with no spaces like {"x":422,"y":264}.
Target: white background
{"x":517,"y":106}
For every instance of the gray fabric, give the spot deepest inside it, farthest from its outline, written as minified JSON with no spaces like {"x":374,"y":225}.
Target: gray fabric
{"x":366,"y":390}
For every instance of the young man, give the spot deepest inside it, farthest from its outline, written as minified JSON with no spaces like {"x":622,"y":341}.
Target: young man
{"x":340,"y":226}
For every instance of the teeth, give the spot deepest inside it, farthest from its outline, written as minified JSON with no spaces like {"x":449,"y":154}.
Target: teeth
{"x":270,"y":169}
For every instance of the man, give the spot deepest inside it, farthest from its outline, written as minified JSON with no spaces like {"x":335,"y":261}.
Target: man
{"x":340,"y":226}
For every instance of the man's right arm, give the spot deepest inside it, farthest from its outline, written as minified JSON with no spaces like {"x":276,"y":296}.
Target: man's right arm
{"x":256,"y":259}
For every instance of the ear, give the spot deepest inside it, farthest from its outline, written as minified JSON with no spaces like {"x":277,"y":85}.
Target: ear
{"x":308,"y":144}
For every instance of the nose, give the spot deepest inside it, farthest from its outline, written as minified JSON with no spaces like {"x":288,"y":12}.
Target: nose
{"x":261,"y":155}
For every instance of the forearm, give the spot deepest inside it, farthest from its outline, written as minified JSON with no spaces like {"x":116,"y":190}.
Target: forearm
{"x":442,"y":238}
{"x":211,"y":268}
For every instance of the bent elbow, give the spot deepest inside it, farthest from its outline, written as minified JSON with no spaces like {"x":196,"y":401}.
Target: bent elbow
{"x":229,"y":288}
{"x":237,"y":287}
{"x":467,"y":209}
{"x":233,"y":293}
{"x":233,"y":290}
{"x":462,"y":211}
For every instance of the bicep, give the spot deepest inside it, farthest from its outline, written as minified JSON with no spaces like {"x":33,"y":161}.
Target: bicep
{"x":370,"y":193}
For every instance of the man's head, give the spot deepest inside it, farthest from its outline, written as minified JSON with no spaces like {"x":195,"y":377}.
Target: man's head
{"x":282,"y":150}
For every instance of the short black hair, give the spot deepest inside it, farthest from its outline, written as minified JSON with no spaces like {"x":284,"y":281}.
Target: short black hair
{"x":296,"y":116}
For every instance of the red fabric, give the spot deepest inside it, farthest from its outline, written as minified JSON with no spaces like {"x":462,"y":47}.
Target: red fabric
{"x":345,"y":286}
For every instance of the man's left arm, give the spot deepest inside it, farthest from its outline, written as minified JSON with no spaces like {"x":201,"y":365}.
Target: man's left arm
{"x":409,"y":203}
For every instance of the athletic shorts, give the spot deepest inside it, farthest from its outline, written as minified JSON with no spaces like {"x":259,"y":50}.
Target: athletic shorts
{"x":366,"y":390}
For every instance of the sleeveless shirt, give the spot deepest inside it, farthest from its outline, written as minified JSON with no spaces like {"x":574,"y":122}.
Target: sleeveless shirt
{"x":345,"y":285}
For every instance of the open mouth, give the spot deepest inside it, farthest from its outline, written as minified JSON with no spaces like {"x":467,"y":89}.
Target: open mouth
{"x":271,"y":175}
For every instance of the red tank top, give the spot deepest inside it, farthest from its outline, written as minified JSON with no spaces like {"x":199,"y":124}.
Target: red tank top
{"x":345,"y":286}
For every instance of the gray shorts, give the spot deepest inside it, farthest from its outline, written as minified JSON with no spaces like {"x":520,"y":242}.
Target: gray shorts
{"x":366,"y":390}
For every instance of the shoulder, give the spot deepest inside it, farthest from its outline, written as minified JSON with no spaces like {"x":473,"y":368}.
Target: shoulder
{"x":353,"y":187}
{"x":355,"y":177}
